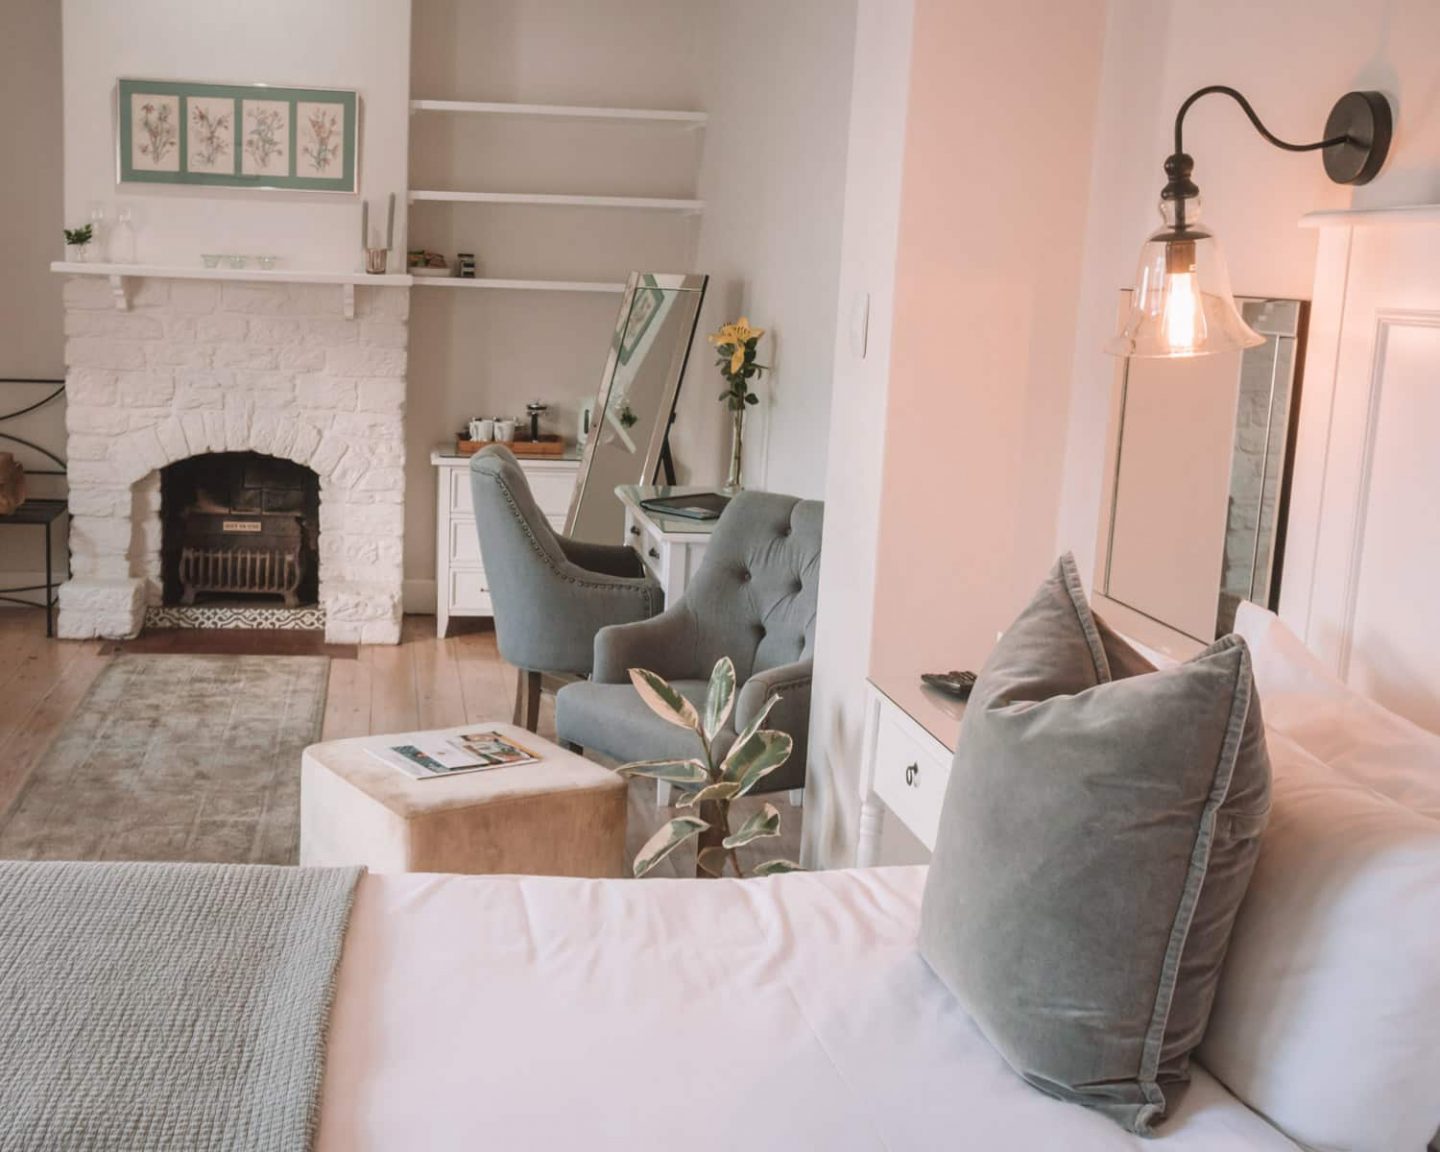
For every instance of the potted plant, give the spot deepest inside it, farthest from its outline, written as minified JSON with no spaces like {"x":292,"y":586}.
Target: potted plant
{"x":735,"y":343}
{"x":710,"y":784}
{"x":76,"y":240}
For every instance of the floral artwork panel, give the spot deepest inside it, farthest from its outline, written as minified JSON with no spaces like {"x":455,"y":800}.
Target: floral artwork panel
{"x":320,"y":139}
{"x":155,"y":133}
{"x":210,"y":135}
{"x":266,"y":140}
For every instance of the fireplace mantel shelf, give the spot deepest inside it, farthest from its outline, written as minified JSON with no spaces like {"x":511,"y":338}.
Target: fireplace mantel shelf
{"x":119,"y":276}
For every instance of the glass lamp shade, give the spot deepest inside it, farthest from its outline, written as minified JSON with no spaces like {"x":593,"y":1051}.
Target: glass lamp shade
{"x":1182,"y":304}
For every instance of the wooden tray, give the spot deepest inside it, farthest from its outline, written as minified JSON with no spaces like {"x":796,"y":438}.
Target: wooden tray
{"x":545,"y":446}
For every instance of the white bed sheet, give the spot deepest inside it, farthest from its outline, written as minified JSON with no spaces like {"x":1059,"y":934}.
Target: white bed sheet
{"x":792,"y":1013}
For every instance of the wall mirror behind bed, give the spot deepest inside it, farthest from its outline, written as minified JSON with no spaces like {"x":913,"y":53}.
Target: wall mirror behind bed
{"x":1198,"y":464}
{"x":631,"y":414}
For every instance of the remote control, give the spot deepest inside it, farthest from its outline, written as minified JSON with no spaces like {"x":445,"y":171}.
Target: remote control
{"x":957,"y":684}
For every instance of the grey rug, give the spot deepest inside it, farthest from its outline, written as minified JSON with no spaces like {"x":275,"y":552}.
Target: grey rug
{"x":176,"y":758}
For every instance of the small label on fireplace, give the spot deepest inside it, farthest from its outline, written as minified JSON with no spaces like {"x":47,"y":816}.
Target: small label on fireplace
{"x":241,"y":526}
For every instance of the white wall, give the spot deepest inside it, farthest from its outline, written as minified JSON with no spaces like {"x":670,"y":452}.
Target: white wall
{"x":360,"y":44}
{"x":1293,"y":59}
{"x":31,"y":321}
{"x":776,"y":83}
{"x":489,"y":353}
{"x":879,"y":95}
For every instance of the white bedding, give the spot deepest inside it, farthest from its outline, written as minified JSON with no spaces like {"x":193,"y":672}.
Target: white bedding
{"x":791,"y":1013}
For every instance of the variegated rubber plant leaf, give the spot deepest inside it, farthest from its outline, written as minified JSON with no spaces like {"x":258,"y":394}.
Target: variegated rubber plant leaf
{"x":747,"y":735}
{"x":665,"y":841}
{"x":764,"y":823}
{"x":720,"y":698}
{"x":721,"y":791}
{"x":775,"y":868}
{"x":664,"y":701}
{"x":686,"y":773}
{"x":713,"y":859}
{"x":757,"y":758}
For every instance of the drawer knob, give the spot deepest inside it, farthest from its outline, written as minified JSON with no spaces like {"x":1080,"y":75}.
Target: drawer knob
{"x":634,"y":530}
{"x":912,"y":774}
{"x":654,"y":555}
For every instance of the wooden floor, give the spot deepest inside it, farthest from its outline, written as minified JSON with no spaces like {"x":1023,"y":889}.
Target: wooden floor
{"x":420,"y":683}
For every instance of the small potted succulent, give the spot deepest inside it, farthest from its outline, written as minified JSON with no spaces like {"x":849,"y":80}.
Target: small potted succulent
{"x":77,"y":240}
{"x":710,"y":784}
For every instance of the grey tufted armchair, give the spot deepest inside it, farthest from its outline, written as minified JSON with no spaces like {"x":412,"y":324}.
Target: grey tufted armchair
{"x":551,"y":594}
{"x":753,"y":600}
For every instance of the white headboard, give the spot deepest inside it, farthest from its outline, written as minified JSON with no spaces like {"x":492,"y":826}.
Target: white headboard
{"x":1361,"y":582}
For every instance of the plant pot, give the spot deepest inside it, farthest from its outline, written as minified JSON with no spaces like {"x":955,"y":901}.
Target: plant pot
{"x":77,"y":253}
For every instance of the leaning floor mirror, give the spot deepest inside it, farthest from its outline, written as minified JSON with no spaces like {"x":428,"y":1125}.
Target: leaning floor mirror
{"x":1197,"y":482}
{"x":630,"y":418}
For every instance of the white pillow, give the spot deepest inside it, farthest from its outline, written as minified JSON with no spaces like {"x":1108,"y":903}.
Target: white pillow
{"x":1303,"y":699}
{"x":1328,"y":1011}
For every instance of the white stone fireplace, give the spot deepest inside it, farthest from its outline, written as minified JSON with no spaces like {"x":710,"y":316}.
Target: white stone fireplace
{"x":161,"y":370}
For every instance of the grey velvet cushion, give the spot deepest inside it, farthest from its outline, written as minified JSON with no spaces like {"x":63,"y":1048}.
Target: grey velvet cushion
{"x":1098,"y":833}
{"x":612,"y":719}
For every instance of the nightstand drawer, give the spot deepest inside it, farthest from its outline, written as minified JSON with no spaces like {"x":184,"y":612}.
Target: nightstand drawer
{"x":912,"y":769}
{"x":647,"y":545}
{"x":469,"y":593}
{"x":552,"y":485}
{"x":464,"y":542}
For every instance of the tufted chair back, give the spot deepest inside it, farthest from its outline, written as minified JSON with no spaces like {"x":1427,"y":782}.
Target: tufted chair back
{"x":754,"y":597}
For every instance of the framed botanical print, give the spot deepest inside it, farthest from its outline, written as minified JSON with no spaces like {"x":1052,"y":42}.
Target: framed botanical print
{"x":237,"y":135}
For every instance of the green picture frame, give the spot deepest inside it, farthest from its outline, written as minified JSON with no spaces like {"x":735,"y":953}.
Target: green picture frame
{"x":237,"y":136}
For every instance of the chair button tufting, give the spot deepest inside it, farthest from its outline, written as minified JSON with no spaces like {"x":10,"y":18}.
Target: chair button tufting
{"x":744,"y":575}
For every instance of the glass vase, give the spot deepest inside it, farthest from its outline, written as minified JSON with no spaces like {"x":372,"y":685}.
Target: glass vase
{"x":737,"y":447}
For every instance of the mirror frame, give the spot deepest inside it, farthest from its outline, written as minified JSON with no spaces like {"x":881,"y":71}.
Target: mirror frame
{"x":1132,"y":621}
{"x":669,"y":282}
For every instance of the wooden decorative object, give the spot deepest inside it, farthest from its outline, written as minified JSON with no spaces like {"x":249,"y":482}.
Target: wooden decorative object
{"x":545,"y":446}
{"x":12,"y":484}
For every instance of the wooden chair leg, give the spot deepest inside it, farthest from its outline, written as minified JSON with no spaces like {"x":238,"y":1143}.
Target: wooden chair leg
{"x":527,"y":700}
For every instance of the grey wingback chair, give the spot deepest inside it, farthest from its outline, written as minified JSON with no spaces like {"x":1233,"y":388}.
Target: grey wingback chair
{"x":551,"y":594}
{"x":753,"y":600}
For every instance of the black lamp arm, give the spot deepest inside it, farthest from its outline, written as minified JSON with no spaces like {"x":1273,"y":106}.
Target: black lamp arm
{"x":1249,"y":111}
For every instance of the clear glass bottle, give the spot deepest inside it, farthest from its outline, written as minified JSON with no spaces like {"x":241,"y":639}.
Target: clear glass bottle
{"x":122,"y":238}
{"x":98,"y":237}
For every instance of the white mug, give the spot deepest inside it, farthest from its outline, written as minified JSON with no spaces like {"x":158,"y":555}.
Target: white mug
{"x":505,"y":430}
{"x":482,"y":431}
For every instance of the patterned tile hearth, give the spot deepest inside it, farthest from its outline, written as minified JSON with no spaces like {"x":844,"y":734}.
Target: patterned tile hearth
{"x":308,"y":619}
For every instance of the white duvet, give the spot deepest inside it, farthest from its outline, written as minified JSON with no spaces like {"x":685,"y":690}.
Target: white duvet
{"x":791,"y":1013}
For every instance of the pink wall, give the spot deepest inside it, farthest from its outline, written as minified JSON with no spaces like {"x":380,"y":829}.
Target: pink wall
{"x":1293,"y":59}
{"x":1002,"y":104}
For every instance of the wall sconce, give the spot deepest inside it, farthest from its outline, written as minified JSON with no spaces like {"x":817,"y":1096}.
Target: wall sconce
{"x":1181,"y":304}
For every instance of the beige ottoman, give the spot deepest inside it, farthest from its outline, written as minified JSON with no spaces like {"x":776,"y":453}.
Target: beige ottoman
{"x":561,"y":817}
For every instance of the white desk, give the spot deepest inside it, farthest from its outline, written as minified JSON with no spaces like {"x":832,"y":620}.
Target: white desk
{"x":460,"y":585}
{"x":671,"y":547}
{"x":906,"y":763}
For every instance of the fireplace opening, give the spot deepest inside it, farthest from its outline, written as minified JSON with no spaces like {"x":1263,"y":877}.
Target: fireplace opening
{"x":240,"y":528}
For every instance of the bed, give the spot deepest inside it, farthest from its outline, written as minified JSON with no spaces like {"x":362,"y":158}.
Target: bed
{"x":791,"y":1013}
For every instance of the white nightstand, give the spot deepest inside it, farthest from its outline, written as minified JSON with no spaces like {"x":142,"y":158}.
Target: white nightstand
{"x":906,"y":767}
{"x":460,"y":587}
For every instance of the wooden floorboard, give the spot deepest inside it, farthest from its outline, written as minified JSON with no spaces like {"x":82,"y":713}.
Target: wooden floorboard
{"x":421,"y":683}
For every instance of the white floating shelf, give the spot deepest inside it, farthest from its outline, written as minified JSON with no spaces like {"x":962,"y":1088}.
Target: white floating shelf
{"x":561,"y":111}
{"x":643,"y":202}
{"x":518,"y":285}
{"x":120,"y":275}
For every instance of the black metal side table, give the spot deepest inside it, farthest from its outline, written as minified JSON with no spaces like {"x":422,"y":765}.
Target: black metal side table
{"x":42,"y":513}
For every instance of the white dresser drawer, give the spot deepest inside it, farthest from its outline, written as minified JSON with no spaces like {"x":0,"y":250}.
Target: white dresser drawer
{"x":551,"y":484}
{"x":469,"y":592}
{"x":648,"y":546}
{"x":464,"y":542}
{"x":912,"y":769}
